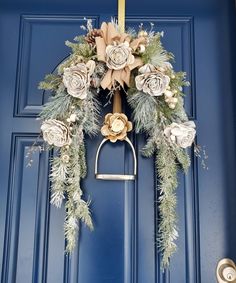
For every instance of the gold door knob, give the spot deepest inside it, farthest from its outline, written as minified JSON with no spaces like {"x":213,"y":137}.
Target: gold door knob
{"x":226,"y":271}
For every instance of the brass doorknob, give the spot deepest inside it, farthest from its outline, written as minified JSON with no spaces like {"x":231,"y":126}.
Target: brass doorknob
{"x":226,"y":271}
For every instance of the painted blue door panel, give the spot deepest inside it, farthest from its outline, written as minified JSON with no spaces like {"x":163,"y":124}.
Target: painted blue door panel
{"x":122,"y":249}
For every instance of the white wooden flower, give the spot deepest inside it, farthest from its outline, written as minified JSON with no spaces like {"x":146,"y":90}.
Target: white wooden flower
{"x":181,"y":134}
{"x":55,"y":133}
{"x":152,"y":81}
{"x":77,"y":79}
{"x":118,"y":56}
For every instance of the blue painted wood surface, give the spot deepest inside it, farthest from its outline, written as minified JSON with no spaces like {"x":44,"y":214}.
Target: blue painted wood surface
{"x":122,"y":249}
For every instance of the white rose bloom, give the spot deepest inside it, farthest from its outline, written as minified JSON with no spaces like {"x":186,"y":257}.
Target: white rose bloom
{"x":152,"y":81}
{"x":77,"y":79}
{"x":119,"y":56}
{"x":181,"y":134}
{"x":55,"y":133}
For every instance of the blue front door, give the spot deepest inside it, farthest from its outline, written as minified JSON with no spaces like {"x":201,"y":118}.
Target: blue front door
{"x":122,"y":249}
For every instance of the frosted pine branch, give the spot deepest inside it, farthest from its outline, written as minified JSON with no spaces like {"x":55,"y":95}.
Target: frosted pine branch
{"x":166,"y":168}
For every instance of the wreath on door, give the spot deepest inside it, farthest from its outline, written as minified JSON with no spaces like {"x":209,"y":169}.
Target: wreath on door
{"x":136,"y":64}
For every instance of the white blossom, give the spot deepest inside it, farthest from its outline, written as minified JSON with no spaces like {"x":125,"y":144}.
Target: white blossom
{"x":181,"y":134}
{"x":55,"y":133}
{"x":152,"y":81}
{"x":119,"y":56}
{"x":77,"y":79}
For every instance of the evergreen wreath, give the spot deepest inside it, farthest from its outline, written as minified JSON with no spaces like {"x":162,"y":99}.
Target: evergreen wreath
{"x":137,"y":63}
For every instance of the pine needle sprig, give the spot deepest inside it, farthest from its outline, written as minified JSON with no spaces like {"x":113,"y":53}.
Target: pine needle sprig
{"x":50,"y":82}
{"x":182,"y":157}
{"x":58,"y":175}
{"x":90,"y":113}
{"x":166,"y":169}
{"x":81,"y":49}
{"x":144,"y":111}
{"x":57,"y":107}
{"x":76,"y":208}
{"x":155,"y":54}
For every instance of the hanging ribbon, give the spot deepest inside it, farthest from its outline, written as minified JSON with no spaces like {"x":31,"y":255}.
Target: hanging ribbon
{"x":117,"y":107}
{"x":121,"y":15}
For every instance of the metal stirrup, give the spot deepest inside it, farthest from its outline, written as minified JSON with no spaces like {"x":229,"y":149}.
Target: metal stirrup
{"x":116,"y":177}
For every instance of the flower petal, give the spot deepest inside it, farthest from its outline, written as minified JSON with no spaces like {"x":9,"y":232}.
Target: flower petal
{"x":105,"y":131}
{"x":129,"y":126}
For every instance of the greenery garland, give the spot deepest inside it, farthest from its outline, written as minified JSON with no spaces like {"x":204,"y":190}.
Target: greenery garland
{"x":136,"y":62}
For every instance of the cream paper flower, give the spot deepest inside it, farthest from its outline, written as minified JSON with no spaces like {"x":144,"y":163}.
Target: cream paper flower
{"x":55,"y":133}
{"x":116,"y":126}
{"x":181,"y":134}
{"x":118,"y":56}
{"x":152,"y":81}
{"x":77,"y":79}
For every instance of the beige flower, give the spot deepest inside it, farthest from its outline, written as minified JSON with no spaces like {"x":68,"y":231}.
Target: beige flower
{"x":77,"y":79}
{"x":181,"y":134}
{"x":116,"y":127}
{"x":118,"y":56}
{"x":55,"y":133}
{"x":152,"y":81}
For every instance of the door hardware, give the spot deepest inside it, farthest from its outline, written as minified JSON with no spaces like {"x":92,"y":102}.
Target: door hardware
{"x":226,"y":271}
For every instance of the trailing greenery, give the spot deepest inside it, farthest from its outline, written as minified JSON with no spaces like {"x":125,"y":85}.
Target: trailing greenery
{"x":68,"y":167}
{"x":76,"y":208}
{"x":57,"y":106}
{"x":152,"y":115}
{"x":166,"y":168}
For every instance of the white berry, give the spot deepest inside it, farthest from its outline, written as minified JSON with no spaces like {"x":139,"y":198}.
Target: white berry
{"x":168,"y":93}
{"x":172,"y":105}
{"x":72,"y":117}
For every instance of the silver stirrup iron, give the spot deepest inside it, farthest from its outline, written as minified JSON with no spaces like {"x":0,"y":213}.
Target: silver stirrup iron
{"x":117,"y":177}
